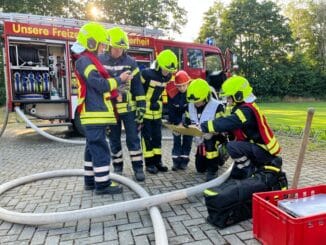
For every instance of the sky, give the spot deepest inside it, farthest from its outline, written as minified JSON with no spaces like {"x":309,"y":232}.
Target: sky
{"x":196,"y":10}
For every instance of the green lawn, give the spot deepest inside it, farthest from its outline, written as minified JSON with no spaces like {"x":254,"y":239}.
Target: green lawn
{"x":293,"y":115}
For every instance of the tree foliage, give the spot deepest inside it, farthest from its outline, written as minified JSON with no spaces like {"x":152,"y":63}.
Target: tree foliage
{"x":258,"y":33}
{"x":66,"y":8}
{"x":166,"y":15}
{"x":162,"y":14}
{"x":278,"y":55}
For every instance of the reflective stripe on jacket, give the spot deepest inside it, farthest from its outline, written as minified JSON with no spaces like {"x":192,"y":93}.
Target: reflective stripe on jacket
{"x":270,"y":142}
{"x":133,"y":95}
{"x":154,"y":84}
{"x":95,"y":89}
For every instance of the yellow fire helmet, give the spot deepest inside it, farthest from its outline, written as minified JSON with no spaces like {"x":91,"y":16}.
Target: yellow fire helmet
{"x":167,"y":60}
{"x":118,"y":38}
{"x":198,"y":90}
{"x":91,"y":35}
{"x":238,"y":87}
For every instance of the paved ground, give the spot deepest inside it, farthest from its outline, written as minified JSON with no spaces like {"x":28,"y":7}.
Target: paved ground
{"x":23,"y":152}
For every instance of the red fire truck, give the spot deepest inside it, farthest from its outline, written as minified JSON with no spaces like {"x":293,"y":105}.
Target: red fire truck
{"x":38,"y":74}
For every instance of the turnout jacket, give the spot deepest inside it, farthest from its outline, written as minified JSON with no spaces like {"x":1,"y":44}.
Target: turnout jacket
{"x":154,"y":84}
{"x":94,"y":90}
{"x":247,"y":124}
{"x":177,"y":106}
{"x":131,"y":96}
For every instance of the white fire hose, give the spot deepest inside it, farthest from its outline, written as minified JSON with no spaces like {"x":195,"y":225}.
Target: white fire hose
{"x":51,"y":137}
{"x":145,"y":201}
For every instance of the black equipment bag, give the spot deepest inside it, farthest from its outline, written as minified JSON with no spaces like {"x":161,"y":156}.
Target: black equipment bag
{"x":231,"y":202}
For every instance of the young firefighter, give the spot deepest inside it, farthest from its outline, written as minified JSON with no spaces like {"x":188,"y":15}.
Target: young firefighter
{"x":94,"y":106}
{"x":130,"y":103}
{"x":203,"y":107}
{"x":177,"y":106}
{"x":254,"y":151}
{"x":154,"y":81}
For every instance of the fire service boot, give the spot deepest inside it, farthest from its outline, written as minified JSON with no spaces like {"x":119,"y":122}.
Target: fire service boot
{"x":139,"y":172}
{"x":117,"y":168}
{"x":113,"y":188}
{"x":150,"y":167}
{"x":184,"y":163}
{"x":176,"y":163}
{"x":159,"y":165}
{"x":212,"y":167}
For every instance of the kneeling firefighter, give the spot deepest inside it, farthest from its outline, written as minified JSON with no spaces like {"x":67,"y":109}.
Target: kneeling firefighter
{"x":257,"y":166}
{"x":203,"y":107}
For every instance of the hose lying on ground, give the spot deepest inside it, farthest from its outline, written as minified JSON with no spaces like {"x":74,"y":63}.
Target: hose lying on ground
{"x":113,"y":208}
{"x":157,"y":220}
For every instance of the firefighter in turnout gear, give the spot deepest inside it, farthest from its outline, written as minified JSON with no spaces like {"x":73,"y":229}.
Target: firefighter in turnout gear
{"x":130,"y":102}
{"x":177,"y":106}
{"x":94,"y":106}
{"x":203,"y":107}
{"x":154,"y":81}
{"x":257,"y":166}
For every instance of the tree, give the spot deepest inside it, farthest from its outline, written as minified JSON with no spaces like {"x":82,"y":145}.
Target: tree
{"x":66,"y":8}
{"x":162,"y":14}
{"x":308,"y":25}
{"x":212,"y":23}
{"x":261,"y":37}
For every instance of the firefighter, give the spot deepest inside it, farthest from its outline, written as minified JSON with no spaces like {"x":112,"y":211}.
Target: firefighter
{"x":130,"y":103}
{"x":177,"y":106}
{"x":255,"y":145}
{"x":257,"y":166}
{"x":154,"y":81}
{"x":203,"y":107}
{"x":96,"y":110}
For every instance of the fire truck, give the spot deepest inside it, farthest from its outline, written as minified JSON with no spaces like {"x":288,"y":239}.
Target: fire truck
{"x":38,"y":71}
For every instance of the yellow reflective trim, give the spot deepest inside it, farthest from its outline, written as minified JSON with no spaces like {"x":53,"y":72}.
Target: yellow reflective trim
{"x":140,"y":97}
{"x":240,"y":115}
{"x":142,"y":79}
{"x":219,"y":114}
{"x":112,"y":83}
{"x":114,"y":183}
{"x":146,"y":153}
{"x":164,"y":97}
{"x":135,"y":71}
{"x":262,"y":120}
{"x":209,"y":192}
{"x":89,"y":69}
{"x":98,"y":120}
{"x":211,"y":154}
{"x":157,"y":151}
{"x":284,"y":188}
{"x":149,"y":93}
{"x":210,"y":126}
{"x":275,"y":149}
{"x":272,"y":168}
{"x":153,"y":83}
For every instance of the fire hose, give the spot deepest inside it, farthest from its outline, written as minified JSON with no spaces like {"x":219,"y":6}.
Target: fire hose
{"x":145,"y":201}
{"x":51,"y":137}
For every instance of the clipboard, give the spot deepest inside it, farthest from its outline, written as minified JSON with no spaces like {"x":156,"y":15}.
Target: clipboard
{"x":192,"y":130}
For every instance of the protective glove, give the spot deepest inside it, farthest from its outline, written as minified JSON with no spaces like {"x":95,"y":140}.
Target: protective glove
{"x":155,"y":106}
{"x":139,"y":115}
{"x":207,"y":136}
{"x":186,"y":122}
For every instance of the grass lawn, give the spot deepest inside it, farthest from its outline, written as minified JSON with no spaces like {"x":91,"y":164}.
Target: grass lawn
{"x":293,"y":115}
